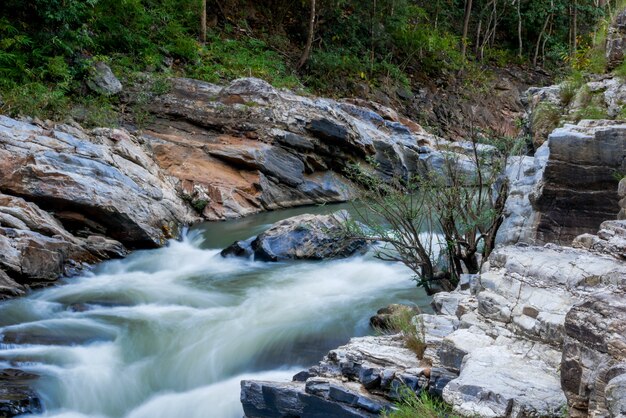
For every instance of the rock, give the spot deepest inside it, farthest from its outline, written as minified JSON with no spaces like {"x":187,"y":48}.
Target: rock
{"x":611,"y":239}
{"x":356,"y":380}
{"x":283,"y":400}
{"x":495,"y":382}
{"x":579,"y":174}
{"x":616,"y":41}
{"x":576,"y":169}
{"x":103,"y":81}
{"x":536,"y":100}
{"x":615,"y":393}
{"x":10,"y":288}
{"x":17,"y":397}
{"x":71,"y":198}
{"x":97,"y":183}
{"x":310,"y":237}
{"x":621,"y":191}
{"x":247,"y":147}
{"x":520,"y":217}
{"x":538,"y":328}
{"x":593,"y":366}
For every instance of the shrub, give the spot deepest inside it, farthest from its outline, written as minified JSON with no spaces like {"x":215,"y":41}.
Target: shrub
{"x":546,"y":117}
{"x":570,"y":87}
{"x":412,"y":405}
{"x":35,"y":99}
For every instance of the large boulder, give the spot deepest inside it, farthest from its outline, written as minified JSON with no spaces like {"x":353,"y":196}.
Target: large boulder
{"x":579,"y":185}
{"x":35,"y":248}
{"x":98,"y":182}
{"x":304,"y":237}
{"x":569,"y":188}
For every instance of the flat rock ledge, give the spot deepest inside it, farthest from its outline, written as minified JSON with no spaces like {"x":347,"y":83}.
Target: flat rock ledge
{"x":540,"y":332}
{"x":359,"y":379}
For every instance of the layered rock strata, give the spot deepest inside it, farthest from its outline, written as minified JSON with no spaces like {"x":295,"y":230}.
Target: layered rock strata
{"x":248,"y":147}
{"x":569,"y":187}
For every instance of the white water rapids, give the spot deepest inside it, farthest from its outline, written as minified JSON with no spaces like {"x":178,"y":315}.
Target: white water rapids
{"x":171,"y":332}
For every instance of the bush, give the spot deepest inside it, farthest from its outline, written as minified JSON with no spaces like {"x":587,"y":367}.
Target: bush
{"x":412,"y":405}
{"x":570,"y":86}
{"x":228,"y":58}
{"x":546,"y":117}
{"x":35,"y":99}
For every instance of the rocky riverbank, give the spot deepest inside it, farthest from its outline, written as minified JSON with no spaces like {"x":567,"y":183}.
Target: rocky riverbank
{"x":538,"y":333}
{"x":70,"y":197}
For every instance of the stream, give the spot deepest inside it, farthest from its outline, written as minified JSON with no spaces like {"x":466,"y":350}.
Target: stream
{"x":171,"y":332}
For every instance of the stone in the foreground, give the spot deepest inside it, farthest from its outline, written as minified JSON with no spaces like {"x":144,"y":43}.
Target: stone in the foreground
{"x":359,"y":379}
{"x":304,"y":237}
{"x":16,"y":396}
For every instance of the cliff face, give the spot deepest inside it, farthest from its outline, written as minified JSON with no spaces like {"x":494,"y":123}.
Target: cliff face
{"x":569,"y":187}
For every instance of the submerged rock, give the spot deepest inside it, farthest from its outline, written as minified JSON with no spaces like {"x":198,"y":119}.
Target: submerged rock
{"x":16,"y":394}
{"x":304,"y":237}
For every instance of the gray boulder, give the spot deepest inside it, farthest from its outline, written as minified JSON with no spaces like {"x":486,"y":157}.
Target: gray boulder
{"x":304,"y":237}
{"x":103,"y":81}
{"x":101,"y":182}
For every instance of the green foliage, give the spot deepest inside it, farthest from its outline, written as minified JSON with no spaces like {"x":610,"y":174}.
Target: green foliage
{"x":592,"y":112}
{"x":229,"y":58}
{"x":199,"y":205}
{"x":35,"y":99}
{"x":96,"y":111}
{"x":383,"y":44}
{"x":412,"y":329}
{"x":569,"y":88}
{"x":620,"y":71}
{"x":546,"y":117}
{"x":412,"y":405}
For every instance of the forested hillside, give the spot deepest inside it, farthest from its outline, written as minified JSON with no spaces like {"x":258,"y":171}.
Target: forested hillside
{"x":334,"y":47}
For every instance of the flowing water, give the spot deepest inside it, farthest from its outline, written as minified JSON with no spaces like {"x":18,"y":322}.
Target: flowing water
{"x":171,"y":332}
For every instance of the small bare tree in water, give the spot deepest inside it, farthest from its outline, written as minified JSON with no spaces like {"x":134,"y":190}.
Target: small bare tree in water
{"x":454,"y":211}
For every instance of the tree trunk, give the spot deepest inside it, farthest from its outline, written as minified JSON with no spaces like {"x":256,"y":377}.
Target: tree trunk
{"x":542,"y":33}
{"x":309,"y":39}
{"x":575,"y":26}
{"x":466,"y":20}
{"x":203,"y":21}
{"x":519,"y":28}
